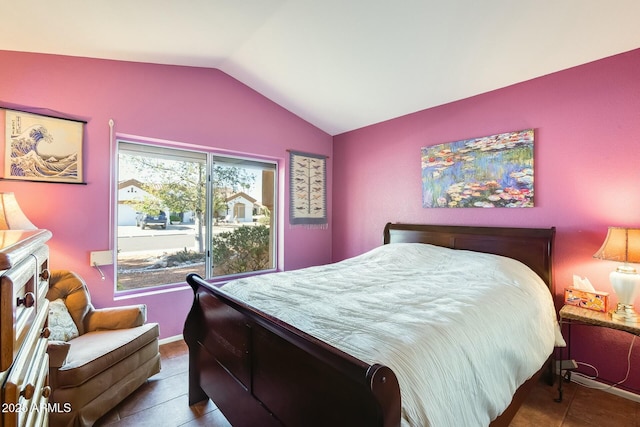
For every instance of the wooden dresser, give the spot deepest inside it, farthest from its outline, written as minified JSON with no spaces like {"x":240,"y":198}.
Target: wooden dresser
{"x":24,"y":363}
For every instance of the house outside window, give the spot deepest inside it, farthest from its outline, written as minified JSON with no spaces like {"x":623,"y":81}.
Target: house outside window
{"x":181,"y":212}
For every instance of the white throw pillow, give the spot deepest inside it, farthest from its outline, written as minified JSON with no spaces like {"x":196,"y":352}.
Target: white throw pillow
{"x":61,"y":324}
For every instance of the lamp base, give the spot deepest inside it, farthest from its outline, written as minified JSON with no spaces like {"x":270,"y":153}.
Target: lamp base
{"x":625,"y":313}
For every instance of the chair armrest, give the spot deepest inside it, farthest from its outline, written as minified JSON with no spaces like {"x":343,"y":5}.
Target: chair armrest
{"x":129,"y":316}
{"x":57,"y":351}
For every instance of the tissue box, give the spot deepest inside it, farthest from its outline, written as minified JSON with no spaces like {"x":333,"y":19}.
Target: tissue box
{"x":597,"y":301}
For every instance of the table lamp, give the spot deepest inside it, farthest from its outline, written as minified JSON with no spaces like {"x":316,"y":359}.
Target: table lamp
{"x":623,"y":245}
{"x":11,"y":216}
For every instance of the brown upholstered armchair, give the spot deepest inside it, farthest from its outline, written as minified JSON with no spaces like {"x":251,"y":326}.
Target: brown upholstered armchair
{"x":114,"y":353}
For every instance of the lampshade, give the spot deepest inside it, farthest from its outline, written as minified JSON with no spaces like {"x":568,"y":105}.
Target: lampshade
{"x":623,"y":245}
{"x":11,"y":216}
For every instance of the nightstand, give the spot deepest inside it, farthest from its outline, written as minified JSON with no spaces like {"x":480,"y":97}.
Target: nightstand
{"x":571,"y":314}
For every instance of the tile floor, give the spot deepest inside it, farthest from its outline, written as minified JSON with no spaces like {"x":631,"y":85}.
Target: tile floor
{"x":581,"y":407}
{"x":162,"y":401}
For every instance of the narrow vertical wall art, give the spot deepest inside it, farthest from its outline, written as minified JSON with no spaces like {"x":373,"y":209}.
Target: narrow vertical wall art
{"x":308,"y":190}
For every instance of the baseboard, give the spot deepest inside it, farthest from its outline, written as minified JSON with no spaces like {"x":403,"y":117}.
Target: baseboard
{"x":588,"y":382}
{"x":170,"y":339}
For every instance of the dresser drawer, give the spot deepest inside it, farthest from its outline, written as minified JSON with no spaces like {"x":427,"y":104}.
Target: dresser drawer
{"x":18,"y":310}
{"x":41,"y":256}
{"x":38,"y":414}
{"x":26,"y":385}
{"x":42,"y":271}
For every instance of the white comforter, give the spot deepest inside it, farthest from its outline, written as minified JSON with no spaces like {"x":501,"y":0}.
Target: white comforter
{"x":461,"y":330}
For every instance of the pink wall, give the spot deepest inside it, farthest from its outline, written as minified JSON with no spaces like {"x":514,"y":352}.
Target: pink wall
{"x":587,"y":166}
{"x":189,"y":105}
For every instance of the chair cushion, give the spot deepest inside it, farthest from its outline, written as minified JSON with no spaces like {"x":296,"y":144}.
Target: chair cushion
{"x":72,"y":288}
{"x":95,"y":352}
{"x":61,"y":324}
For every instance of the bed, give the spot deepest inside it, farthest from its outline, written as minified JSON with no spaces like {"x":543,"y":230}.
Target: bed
{"x":264,"y":366}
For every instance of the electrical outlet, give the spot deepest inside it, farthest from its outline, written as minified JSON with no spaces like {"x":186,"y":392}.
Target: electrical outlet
{"x":101,"y":258}
{"x":565,"y":365}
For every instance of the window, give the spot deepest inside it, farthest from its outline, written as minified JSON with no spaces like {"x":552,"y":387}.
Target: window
{"x":182,"y":212}
{"x":243,"y":216}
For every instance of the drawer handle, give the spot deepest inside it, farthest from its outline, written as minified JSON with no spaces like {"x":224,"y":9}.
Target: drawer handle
{"x":28,"y":300}
{"x":27,"y":391}
{"x":46,"y":332}
{"x":46,"y":392}
{"x":44,"y":275}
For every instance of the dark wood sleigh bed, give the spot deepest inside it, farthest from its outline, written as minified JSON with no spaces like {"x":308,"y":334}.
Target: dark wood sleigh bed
{"x":261,"y":371}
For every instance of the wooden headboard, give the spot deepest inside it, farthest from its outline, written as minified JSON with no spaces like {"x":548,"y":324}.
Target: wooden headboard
{"x":531,"y":246}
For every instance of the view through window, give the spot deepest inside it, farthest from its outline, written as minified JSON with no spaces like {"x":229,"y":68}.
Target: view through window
{"x":182,"y":212}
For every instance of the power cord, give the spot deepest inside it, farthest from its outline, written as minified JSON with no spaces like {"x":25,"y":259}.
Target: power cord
{"x":609,"y":387}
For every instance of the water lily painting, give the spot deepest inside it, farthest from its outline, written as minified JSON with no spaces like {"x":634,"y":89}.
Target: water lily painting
{"x":42,"y":148}
{"x":490,"y":172}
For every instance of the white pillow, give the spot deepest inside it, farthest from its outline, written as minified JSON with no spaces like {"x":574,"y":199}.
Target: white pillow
{"x":61,"y":324}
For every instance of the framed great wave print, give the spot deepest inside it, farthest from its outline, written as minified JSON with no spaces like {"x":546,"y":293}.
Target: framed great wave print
{"x":42,"y":148}
{"x":488,"y":172}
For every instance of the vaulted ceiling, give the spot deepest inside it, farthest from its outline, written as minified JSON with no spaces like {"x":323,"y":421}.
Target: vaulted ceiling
{"x":339,"y":64}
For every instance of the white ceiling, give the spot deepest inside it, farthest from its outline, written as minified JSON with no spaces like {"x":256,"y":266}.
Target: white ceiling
{"x":339,"y":64}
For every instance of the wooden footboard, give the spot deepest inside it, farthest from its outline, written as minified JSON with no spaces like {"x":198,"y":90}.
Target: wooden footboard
{"x":261,"y":371}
